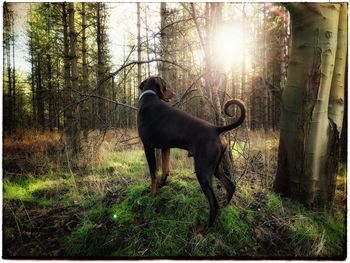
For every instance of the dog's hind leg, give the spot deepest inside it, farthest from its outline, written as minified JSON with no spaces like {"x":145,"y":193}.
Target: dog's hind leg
{"x":206,"y":186}
{"x":151,"y":159}
{"x":229,"y":186}
{"x":205,"y":168}
{"x":220,"y":173}
{"x":165,"y":166}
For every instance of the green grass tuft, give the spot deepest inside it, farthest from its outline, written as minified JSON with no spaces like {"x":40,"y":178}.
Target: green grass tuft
{"x":274,"y":203}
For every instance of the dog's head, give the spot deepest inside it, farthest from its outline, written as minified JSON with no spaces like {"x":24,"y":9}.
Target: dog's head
{"x":158,"y":85}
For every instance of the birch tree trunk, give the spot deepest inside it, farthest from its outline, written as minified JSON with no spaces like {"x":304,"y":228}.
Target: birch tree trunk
{"x":308,"y":151}
{"x":336,"y":97}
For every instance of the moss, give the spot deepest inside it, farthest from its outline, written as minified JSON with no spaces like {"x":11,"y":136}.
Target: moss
{"x":236,"y":225}
{"x":29,"y":189}
{"x":79,"y":242}
{"x":15,"y":191}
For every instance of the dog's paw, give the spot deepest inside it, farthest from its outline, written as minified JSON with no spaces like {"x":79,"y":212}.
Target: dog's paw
{"x":161,"y":183}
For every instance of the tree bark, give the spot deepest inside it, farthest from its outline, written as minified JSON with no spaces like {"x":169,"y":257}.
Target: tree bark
{"x":40,"y":96}
{"x":74,"y":125}
{"x":139,"y":77}
{"x":50,"y":93}
{"x":100,"y":67}
{"x":67,"y":83}
{"x":9,"y":113}
{"x":33,"y":89}
{"x":215,"y":79}
{"x":13,"y":97}
{"x":336,"y":97}
{"x":308,"y":141}
{"x":85,"y":80}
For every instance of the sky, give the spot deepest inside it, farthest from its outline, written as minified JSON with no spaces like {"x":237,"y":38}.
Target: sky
{"x":21,"y":51}
{"x":121,"y":26}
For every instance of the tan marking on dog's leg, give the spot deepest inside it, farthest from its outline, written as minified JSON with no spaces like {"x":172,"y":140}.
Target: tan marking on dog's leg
{"x":223,"y":141}
{"x":153,"y":185}
{"x":165,"y":165}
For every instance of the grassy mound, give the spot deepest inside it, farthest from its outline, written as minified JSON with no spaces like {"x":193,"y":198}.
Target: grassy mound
{"x":108,"y":214}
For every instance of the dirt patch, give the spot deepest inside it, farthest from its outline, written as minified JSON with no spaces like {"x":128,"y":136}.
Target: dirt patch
{"x":30,"y":232}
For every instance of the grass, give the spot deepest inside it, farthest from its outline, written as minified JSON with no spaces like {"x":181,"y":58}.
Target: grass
{"x":108,"y":213}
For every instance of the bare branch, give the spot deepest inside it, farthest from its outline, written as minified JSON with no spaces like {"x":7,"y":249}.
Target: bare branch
{"x":132,"y":63}
{"x":110,"y":100}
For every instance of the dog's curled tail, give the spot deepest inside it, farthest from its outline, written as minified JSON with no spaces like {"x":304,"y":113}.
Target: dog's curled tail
{"x":241,"y":118}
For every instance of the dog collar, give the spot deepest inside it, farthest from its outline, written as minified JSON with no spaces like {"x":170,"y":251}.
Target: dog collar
{"x":147,"y":92}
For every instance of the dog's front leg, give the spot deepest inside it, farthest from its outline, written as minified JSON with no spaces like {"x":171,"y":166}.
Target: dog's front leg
{"x":165,"y":166}
{"x":151,"y":159}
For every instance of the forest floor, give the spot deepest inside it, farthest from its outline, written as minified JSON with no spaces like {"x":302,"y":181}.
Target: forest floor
{"x":106,"y":212}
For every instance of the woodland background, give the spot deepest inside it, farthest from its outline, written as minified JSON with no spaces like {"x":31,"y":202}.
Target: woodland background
{"x":75,"y":180}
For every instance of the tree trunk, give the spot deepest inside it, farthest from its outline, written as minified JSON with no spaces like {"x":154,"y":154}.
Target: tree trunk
{"x":309,"y":140}
{"x":344,"y":132}
{"x":138,"y":46}
{"x":265,"y":105}
{"x":13,"y":97}
{"x":163,"y":70}
{"x":9,"y":113}
{"x":338,"y":94}
{"x":215,"y":79}
{"x":336,"y":97}
{"x":147,"y":44}
{"x":100,"y":67}
{"x":85,"y":81}
{"x":164,"y":42}
{"x":74,"y":125}
{"x":40,"y":96}
{"x":33,"y":89}
{"x":67,"y":83}
{"x":50,"y":93}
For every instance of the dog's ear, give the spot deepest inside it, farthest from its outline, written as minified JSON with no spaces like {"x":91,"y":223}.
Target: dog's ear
{"x":160,"y":84}
{"x":143,"y":84}
{"x":162,"y":87}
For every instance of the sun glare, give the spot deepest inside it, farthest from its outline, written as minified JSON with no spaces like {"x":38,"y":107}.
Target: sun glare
{"x":230,"y":46}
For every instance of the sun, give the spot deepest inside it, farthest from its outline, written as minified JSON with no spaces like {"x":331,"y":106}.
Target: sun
{"x":229,"y":46}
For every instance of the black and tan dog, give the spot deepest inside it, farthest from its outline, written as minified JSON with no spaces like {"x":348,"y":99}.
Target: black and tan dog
{"x":162,"y":126}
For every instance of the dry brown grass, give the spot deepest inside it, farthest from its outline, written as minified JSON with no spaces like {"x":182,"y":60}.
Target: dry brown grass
{"x":30,"y":151}
{"x":40,"y":152}
{"x":255,"y":155}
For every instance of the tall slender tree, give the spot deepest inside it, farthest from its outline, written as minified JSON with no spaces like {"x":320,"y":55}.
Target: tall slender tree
{"x":85,"y":76}
{"x":100,"y":41}
{"x":139,"y":77}
{"x":9,"y":81}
